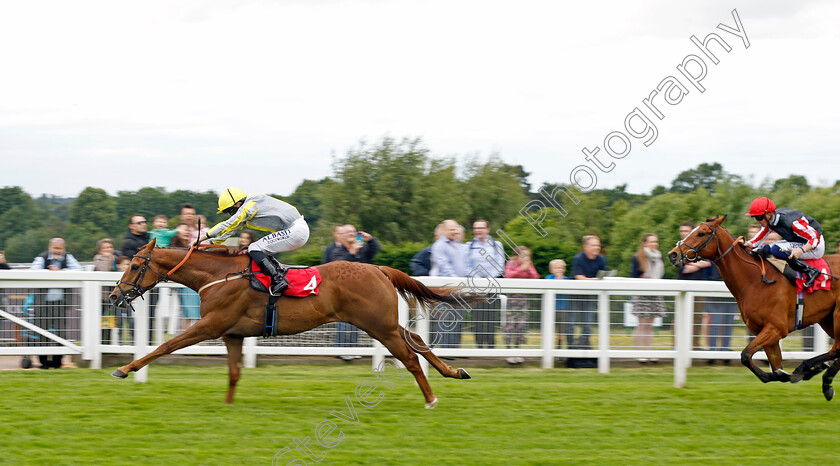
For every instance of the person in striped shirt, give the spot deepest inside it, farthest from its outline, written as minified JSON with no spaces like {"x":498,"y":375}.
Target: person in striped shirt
{"x":801,"y":236}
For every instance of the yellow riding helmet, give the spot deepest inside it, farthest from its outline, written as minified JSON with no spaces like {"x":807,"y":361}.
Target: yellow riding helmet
{"x":229,"y":197}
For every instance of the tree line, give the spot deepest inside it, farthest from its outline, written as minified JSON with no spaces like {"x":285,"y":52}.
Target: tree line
{"x":397,"y":191}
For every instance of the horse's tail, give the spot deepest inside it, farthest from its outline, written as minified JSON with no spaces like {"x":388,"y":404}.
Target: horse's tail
{"x":412,"y":290}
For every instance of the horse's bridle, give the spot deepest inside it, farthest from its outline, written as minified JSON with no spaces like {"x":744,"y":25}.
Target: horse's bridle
{"x":137,"y":290}
{"x":696,"y":249}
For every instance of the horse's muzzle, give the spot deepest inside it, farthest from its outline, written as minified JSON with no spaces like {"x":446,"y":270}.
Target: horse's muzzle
{"x":675,"y":259}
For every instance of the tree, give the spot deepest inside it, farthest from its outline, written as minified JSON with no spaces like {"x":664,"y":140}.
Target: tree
{"x":95,"y":207}
{"x":705,"y":175}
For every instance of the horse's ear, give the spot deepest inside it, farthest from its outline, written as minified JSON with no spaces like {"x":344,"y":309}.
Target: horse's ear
{"x":710,"y":220}
{"x":153,"y":242}
{"x":724,"y":218}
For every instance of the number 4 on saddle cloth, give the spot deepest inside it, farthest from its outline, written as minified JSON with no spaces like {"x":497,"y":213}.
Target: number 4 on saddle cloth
{"x":303,"y":281}
{"x":822,"y":283}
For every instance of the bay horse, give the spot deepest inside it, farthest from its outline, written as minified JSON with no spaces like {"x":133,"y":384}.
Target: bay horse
{"x":364,"y":295}
{"x":768,"y":308}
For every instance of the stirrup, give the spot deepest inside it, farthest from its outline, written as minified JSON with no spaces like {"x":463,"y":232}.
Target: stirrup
{"x":811,"y":277}
{"x":278,"y":285}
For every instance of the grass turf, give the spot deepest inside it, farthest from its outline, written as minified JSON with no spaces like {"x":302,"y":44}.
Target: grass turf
{"x":520,"y":415}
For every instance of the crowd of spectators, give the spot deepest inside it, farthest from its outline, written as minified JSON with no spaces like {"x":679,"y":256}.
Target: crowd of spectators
{"x":448,"y":256}
{"x":50,"y":309}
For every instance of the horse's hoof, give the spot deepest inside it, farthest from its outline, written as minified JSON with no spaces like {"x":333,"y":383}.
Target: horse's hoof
{"x":464,"y":375}
{"x":782,"y":376}
{"x":432,"y":405}
{"x":828,"y":392}
{"x":797,"y":375}
{"x":119,"y":374}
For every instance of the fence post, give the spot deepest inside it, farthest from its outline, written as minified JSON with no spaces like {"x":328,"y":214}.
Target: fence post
{"x":604,"y":332}
{"x":249,"y":350}
{"x":683,"y":323}
{"x":91,"y":335}
{"x":423,"y":325}
{"x":141,"y":336}
{"x":547,"y":330}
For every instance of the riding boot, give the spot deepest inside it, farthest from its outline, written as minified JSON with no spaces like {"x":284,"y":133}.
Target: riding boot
{"x":810,"y":273}
{"x":278,"y":276}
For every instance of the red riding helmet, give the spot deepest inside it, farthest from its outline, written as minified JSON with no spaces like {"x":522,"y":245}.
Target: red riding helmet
{"x":761,"y":206}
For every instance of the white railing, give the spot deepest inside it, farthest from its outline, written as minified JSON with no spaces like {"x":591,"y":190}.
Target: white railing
{"x":611,"y":335}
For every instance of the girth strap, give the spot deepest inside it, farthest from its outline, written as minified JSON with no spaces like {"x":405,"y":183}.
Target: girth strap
{"x":270,"y":329}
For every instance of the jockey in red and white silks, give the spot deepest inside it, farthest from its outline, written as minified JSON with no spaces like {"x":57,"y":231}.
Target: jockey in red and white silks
{"x":801,"y":236}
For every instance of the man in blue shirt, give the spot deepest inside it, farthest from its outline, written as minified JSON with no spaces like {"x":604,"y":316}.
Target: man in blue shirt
{"x":485,"y":259}
{"x":585,"y":266}
{"x":449,"y":260}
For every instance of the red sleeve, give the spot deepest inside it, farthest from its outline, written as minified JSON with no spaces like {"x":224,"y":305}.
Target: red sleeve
{"x":760,"y":235}
{"x":802,"y":228}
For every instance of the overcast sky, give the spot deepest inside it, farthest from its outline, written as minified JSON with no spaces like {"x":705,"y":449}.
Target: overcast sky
{"x":201,"y":95}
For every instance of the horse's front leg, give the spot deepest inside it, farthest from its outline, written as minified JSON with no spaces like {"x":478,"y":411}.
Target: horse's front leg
{"x":774,"y":357}
{"x":768,"y":337}
{"x":234,"y":350}
{"x":209,"y":327}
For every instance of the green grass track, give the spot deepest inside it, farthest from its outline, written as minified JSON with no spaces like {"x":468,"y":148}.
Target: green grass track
{"x":520,"y":415}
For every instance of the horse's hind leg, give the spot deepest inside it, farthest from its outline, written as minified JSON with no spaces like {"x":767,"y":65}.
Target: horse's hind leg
{"x":400,"y":349}
{"x":419,"y":346}
{"x":828,"y":377}
{"x":234,"y":350}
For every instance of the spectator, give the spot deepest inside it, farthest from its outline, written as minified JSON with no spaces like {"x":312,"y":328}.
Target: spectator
{"x":351,"y":246}
{"x":695,"y":271}
{"x":136,"y":237}
{"x":449,"y":260}
{"x":447,"y":257}
{"x":106,"y":261}
{"x":3,"y":264}
{"x":191,"y":219}
{"x":338,"y":235}
{"x":557,"y":267}
{"x":188,"y":299}
{"x":122,"y":263}
{"x":421,"y":263}
{"x":246,"y":237}
{"x":647,"y":263}
{"x":51,"y":307}
{"x":162,"y":233}
{"x":585,"y":266}
{"x":484,"y":256}
{"x":125,"y":316}
{"x":519,"y":266}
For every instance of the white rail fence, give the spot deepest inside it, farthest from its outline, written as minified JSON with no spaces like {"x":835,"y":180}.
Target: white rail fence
{"x":57,"y":312}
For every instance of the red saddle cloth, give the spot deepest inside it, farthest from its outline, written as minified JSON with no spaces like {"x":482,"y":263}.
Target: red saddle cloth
{"x":823,"y":282}
{"x":303,"y":282}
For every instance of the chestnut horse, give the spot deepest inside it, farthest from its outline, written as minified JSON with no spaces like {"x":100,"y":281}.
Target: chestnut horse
{"x":767,"y":308}
{"x":364,"y":295}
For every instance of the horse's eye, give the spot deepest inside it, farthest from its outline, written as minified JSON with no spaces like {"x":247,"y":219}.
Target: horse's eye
{"x":701,"y":234}
{"x":135,"y":267}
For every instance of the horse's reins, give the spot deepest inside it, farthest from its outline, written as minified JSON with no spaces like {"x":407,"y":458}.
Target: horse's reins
{"x":713,"y":235}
